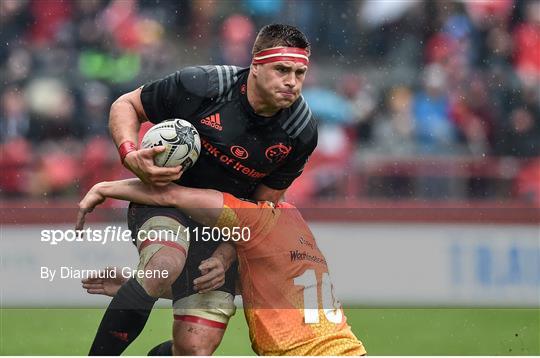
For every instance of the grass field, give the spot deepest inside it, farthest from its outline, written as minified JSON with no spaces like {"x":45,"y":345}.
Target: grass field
{"x":384,"y":331}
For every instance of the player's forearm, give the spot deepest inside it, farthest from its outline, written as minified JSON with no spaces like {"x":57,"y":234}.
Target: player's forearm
{"x":202,"y":205}
{"x":125,"y":118}
{"x":133,"y":190}
{"x":225,"y":252}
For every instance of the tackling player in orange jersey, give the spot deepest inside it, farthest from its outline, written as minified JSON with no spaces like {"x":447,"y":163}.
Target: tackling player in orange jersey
{"x":287,"y":294}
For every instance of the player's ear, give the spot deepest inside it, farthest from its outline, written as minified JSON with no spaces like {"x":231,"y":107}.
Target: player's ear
{"x":254,"y":69}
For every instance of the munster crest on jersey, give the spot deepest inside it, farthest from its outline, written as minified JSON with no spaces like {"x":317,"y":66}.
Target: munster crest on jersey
{"x":277,"y":152}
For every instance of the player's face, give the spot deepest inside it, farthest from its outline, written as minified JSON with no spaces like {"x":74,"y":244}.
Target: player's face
{"x":281,"y":82}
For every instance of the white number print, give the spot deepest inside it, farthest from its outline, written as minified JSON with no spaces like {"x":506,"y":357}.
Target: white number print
{"x":311,"y":315}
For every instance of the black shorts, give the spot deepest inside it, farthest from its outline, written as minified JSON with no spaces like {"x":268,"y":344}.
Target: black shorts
{"x":198,"y":250}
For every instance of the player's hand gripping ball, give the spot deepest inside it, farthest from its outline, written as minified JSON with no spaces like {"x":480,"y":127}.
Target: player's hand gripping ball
{"x":180,"y":139}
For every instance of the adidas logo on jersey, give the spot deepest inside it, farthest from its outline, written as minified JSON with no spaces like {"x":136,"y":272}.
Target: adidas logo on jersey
{"x":213,"y":121}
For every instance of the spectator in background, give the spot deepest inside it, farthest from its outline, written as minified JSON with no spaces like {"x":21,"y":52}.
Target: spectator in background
{"x":499,"y":49}
{"x":455,"y":50}
{"x":194,"y":20}
{"x":57,"y":169}
{"x":523,"y":134}
{"x":440,"y":48}
{"x":486,"y":16}
{"x":118,"y":41}
{"x":458,"y":28}
{"x":52,"y":107}
{"x":98,"y":161}
{"x":18,"y":65}
{"x":362,"y":102}
{"x":303,"y":14}
{"x":519,"y":134}
{"x":14,"y":18}
{"x":324,"y":173}
{"x":15,"y":150}
{"x":237,"y":34}
{"x":49,"y":17}
{"x":526,"y":186}
{"x":393,"y":133}
{"x":92,"y":119}
{"x":486,"y":93}
{"x":527,"y":46}
{"x":14,"y":119}
{"x":15,"y":162}
{"x":263,"y":12}
{"x":472,"y":113}
{"x":434,"y":129}
{"x":120,"y":19}
{"x":86,"y":25}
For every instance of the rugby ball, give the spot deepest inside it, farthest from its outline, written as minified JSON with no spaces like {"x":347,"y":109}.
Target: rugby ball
{"x":180,"y":139}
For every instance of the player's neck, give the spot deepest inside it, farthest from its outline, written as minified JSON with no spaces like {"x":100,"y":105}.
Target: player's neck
{"x":257,"y":102}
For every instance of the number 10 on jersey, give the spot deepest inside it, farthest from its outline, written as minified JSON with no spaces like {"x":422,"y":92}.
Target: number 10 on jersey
{"x":331,"y":307}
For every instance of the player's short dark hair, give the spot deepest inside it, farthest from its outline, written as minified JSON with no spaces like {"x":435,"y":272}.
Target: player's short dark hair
{"x":275,"y":35}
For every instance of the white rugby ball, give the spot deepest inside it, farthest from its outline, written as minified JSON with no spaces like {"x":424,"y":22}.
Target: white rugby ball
{"x":180,"y":139}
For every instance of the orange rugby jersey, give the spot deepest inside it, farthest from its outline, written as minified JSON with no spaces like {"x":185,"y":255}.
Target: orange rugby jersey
{"x":287,"y":294}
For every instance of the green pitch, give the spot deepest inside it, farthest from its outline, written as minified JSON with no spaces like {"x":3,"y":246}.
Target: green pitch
{"x":383,"y":331}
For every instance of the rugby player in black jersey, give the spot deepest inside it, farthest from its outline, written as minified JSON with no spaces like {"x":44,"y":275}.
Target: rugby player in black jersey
{"x":257,"y":133}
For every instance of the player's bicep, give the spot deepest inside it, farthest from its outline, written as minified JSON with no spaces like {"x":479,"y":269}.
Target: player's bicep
{"x":133,"y":99}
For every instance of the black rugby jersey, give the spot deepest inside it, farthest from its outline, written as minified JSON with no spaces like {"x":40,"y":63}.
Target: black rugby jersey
{"x":239,"y":148}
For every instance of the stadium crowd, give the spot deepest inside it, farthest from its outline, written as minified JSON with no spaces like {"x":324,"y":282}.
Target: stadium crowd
{"x":393,"y":81}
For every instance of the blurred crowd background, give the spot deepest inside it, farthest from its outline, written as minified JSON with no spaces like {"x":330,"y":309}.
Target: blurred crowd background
{"x":416,"y":100}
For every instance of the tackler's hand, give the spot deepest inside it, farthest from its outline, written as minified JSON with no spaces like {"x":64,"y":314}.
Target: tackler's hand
{"x":212,"y":275}
{"x":107,"y":282}
{"x":92,"y":199}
